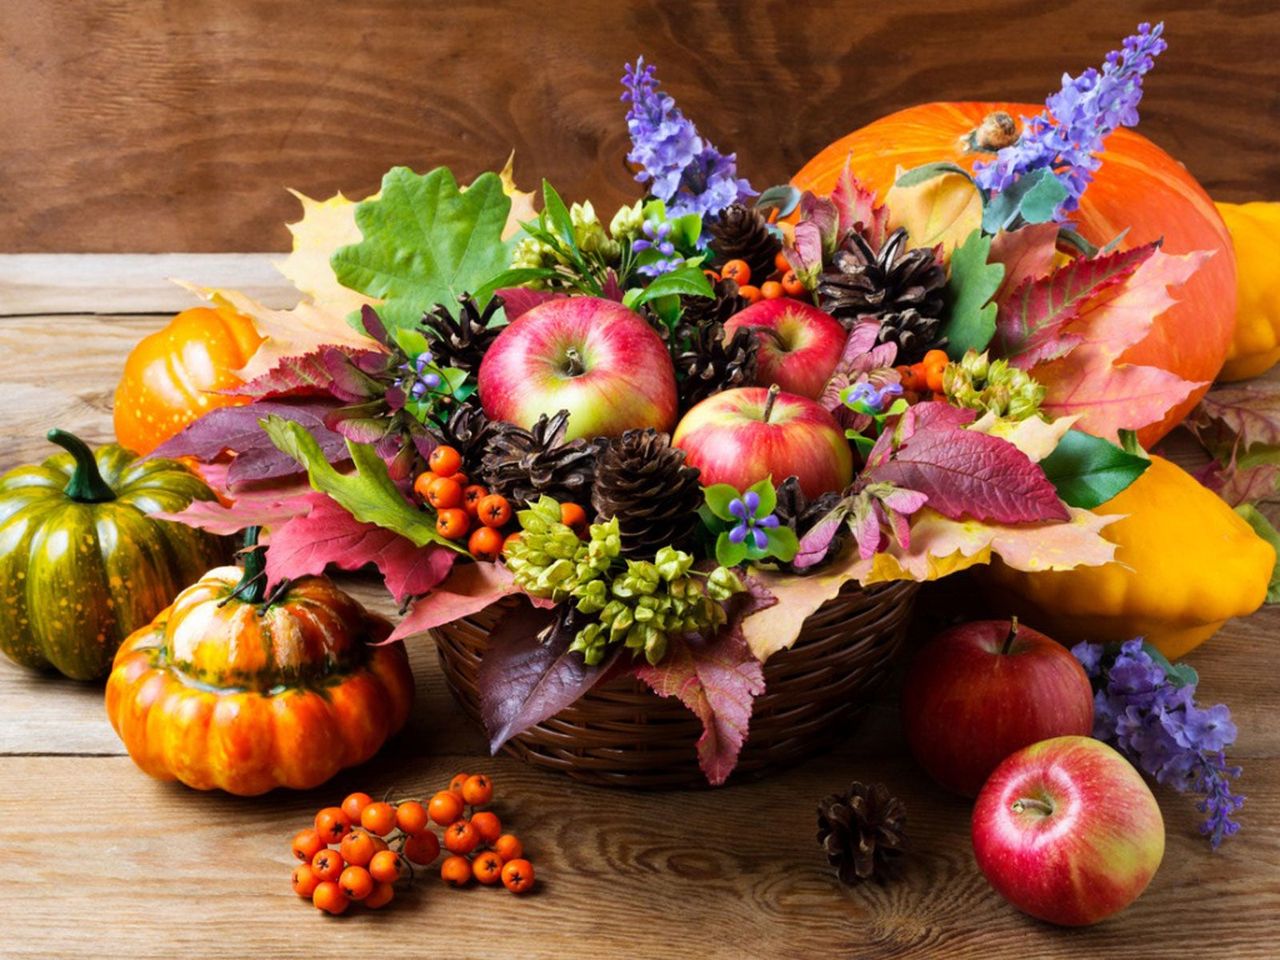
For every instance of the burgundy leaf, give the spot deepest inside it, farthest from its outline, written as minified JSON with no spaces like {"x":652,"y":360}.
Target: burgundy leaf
{"x":857,"y":209}
{"x":859,"y":356}
{"x":348,"y":381}
{"x":303,"y":375}
{"x":816,"y":543}
{"x":374,"y":327}
{"x":327,"y":534}
{"x":529,"y":675}
{"x":612,"y":289}
{"x":718,"y":680}
{"x":822,"y":213}
{"x":1239,"y":417}
{"x":966,"y":473}
{"x":469,"y":589}
{"x":1032,"y":325}
{"x":212,"y":516}
{"x":519,"y":300}
{"x":236,"y":430}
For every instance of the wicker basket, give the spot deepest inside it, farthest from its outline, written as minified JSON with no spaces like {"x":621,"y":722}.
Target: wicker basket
{"x":621,"y":734}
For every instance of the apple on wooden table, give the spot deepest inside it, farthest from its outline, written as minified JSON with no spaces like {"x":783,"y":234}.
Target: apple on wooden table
{"x":799,"y":345}
{"x":592,"y":357}
{"x":1067,"y":831}
{"x":742,"y":436}
{"x":979,"y":691}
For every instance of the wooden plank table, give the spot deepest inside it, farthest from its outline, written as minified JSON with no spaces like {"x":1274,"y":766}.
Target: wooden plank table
{"x":103,"y":862}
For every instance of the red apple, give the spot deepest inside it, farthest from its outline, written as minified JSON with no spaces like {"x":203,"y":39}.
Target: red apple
{"x":1067,"y":831}
{"x":741,"y":436}
{"x":592,"y":357}
{"x":799,"y":344}
{"x":980,"y":691}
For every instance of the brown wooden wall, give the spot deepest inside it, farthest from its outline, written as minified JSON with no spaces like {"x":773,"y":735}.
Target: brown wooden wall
{"x":149,"y":125}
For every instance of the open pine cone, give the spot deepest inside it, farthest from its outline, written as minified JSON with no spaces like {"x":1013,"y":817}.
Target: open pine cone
{"x":462,"y":342}
{"x":522,"y":465}
{"x":862,"y":832}
{"x":741,"y":233}
{"x":865,"y":282}
{"x":643,"y":481}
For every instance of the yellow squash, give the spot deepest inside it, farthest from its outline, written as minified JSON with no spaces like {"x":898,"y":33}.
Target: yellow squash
{"x":1255,"y":233}
{"x":1185,"y":564}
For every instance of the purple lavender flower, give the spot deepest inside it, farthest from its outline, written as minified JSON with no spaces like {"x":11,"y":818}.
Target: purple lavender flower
{"x":744,"y":508}
{"x":1155,"y":722}
{"x":681,"y":169}
{"x":1068,"y":135}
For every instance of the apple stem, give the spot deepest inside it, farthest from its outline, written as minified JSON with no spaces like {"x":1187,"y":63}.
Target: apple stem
{"x":774,"y":390}
{"x":1032,"y":803}
{"x":1013,"y":633}
{"x":574,"y":365}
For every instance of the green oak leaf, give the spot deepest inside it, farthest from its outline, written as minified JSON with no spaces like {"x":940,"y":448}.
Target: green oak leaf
{"x":1087,"y":471}
{"x":973,"y":282}
{"x":425,"y":242}
{"x":368,"y":493}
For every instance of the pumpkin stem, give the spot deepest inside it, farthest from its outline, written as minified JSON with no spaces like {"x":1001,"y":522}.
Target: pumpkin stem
{"x":252,"y":587}
{"x":86,"y":484}
{"x":997,"y":131}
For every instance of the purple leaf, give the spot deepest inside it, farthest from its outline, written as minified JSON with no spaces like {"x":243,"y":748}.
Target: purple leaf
{"x":348,"y":381}
{"x":374,"y":327}
{"x":816,"y":544}
{"x":236,"y":430}
{"x":519,"y":300}
{"x":822,"y":213}
{"x":966,"y":473}
{"x":526,"y":677}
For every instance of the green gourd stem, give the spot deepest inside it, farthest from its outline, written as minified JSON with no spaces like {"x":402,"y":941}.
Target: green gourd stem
{"x":86,"y":484}
{"x":252,"y":587}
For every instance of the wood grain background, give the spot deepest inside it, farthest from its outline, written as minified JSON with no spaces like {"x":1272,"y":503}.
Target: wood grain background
{"x":159,"y":125}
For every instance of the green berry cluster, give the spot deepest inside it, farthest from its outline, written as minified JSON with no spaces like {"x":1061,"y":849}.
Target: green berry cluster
{"x":638,"y":603}
{"x":980,"y":383}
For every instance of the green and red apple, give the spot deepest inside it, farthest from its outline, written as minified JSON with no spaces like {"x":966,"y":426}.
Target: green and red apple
{"x":742,"y":436}
{"x":1067,"y":831}
{"x":980,"y":691}
{"x":592,"y":357}
{"x":799,"y":345}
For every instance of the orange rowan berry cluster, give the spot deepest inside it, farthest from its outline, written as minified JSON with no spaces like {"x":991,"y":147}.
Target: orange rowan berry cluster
{"x":783,"y":282}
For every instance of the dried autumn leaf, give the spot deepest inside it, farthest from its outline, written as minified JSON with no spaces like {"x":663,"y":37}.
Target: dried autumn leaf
{"x":225,"y":520}
{"x":942,"y":210}
{"x":285,"y":333}
{"x":858,"y":209}
{"x":1093,"y":380}
{"x":1035,"y":437}
{"x":325,"y":226}
{"x":522,"y":201}
{"x":1238,"y":417}
{"x":1026,"y":254}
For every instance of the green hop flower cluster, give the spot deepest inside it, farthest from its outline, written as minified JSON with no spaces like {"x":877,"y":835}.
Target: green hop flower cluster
{"x":638,"y":603}
{"x":980,"y":383}
{"x":588,"y":233}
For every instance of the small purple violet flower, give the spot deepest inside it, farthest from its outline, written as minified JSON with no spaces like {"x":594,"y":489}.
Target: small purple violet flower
{"x":744,"y":508}
{"x":657,"y":236}
{"x":865,"y":398}
{"x":1156,"y":724}
{"x":681,"y":169}
{"x":1067,"y":136}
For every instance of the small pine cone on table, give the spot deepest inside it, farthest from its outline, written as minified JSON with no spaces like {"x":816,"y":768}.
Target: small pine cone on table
{"x":863,"y":832}
{"x":644,"y":482}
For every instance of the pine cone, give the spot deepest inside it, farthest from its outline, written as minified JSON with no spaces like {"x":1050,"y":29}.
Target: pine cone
{"x":462,"y":342}
{"x":741,"y":233}
{"x":468,"y":431}
{"x":699,"y":311}
{"x":644,"y":482}
{"x":865,"y":282}
{"x":862,"y":832}
{"x":522,"y":465}
{"x":914,"y":333}
{"x":705,"y":363}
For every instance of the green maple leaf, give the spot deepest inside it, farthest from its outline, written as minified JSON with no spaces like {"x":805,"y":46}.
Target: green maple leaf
{"x":972,"y":284}
{"x":425,"y":242}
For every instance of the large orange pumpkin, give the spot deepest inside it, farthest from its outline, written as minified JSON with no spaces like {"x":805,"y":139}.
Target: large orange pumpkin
{"x":1140,"y":187}
{"x":172,"y":376}
{"x":231,"y":689}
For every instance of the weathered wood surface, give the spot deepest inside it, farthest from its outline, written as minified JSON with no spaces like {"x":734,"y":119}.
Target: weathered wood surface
{"x":147,"y":125}
{"x":104,"y":862}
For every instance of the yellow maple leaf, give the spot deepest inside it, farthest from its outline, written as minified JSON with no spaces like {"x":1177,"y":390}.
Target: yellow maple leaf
{"x":285,"y":333}
{"x":325,"y":226}
{"x":521,"y":200}
{"x":939,"y":548}
{"x":944,"y":209}
{"x":1035,"y":437}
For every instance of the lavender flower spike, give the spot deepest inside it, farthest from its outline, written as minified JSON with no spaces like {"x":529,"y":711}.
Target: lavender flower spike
{"x":681,"y":169}
{"x":1068,"y":135}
